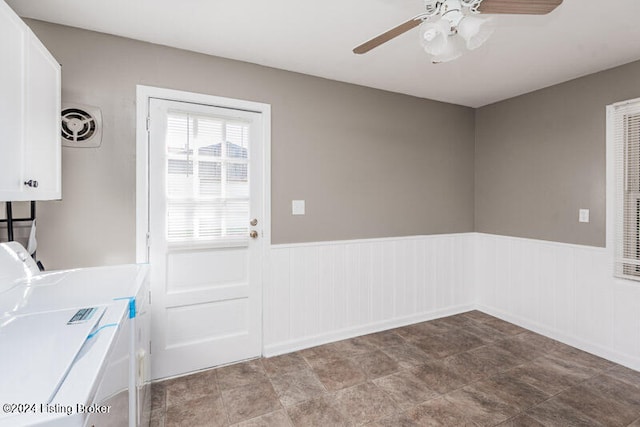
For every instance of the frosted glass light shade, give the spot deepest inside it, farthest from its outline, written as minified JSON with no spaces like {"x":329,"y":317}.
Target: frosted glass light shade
{"x":453,"y":50}
{"x":475,"y":31}
{"x":434,"y":35}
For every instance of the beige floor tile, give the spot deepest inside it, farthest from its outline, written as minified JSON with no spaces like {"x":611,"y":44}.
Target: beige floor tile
{"x":504,"y":327}
{"x":583,"y":358}
{"x":384,"y":339}
{"x":157,"y":418}
{"x":438,"y":376}
{"x":353,"y":347}
{"x":636,"y":423}
{"x":284,"y":364}
{"x":406,"y":355}
{"x":396,"y":420}
{"x":316,"y":412}
{"x":250,"y":401}
{"x":241,"y":374}
{"x":448,"y":343}
{"x":439,"y":412}
{"x":485,"y":332}
{"x":417,"y":331}
{"x":497,"y":359}
{"x":320,"y":355}
{"x":158,"y":396}
{"x":520,"y":347}
{"x":521,"y":421}
{"x":458,"y":321}
{"x":553,"y":413}
{"x":545,"y":375}
{"x":203,"y":411}
{"x":201,"y":384}
{"x":364,"y":403}
{"x":405,"y":389}
{"x":512,"y":390}
{"x":273,"y":419}
{"x":625,"y":374}
{"x":471,"y":366}
{"x":605,"y":409}
{"x":478,"y":316}
{"x":483,"y":407}
{"x":540,"y":342}
{"x":298,"y":386}
{"x":339,"y":374}
{"x":376,"y":364}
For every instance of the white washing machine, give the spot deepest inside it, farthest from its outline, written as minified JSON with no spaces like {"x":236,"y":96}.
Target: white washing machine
{"x":73,"y":344}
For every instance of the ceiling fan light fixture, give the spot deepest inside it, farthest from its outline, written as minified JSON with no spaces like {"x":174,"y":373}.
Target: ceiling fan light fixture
{"x":434,"y":36}
{"x":455,"y":30}
{"x":453,"y":50}
{"x":447,"y":21}
{"x":475,"y":31}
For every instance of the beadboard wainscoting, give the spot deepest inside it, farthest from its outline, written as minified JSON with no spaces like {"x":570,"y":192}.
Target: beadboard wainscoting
{"x":563,"y":291}
{"x":321,"y":292}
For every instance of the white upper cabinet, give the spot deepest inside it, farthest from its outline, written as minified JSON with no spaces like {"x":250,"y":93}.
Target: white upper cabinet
{"x":29,"y":114}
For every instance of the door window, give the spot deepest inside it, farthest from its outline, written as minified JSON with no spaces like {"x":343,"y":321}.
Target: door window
{"x":207,"y":172}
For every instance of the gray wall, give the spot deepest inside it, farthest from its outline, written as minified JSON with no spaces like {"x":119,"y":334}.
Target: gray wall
{"x":541,"y":156}
{"x":368,"y":163}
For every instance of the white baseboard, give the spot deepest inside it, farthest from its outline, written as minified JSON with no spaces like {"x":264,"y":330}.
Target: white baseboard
{"x":606,"y":353}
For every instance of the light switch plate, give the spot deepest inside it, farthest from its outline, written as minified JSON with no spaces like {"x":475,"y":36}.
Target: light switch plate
{"x":297,"y":207}
{"x":583,"y":215}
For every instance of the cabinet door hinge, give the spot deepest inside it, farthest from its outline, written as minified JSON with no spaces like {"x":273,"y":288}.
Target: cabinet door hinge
{"x":148,"y":240}
{"x":148,"y":123}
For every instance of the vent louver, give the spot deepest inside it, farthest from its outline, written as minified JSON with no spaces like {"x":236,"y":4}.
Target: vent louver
{"x":81,"y":126}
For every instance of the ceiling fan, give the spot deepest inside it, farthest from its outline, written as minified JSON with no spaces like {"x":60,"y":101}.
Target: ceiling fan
{"x":456,"y":24}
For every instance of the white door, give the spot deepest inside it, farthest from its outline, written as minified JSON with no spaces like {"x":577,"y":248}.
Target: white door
{"x":205,"y":202}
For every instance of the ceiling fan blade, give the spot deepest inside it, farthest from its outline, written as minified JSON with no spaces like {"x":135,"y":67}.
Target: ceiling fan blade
{"x":388,"y":35}
{"x":526,"y":7}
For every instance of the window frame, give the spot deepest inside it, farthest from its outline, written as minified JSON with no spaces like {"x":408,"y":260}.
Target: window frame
{"x":615,"y":193}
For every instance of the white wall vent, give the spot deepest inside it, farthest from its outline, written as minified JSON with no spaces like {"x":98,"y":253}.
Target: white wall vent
{"x":81,"y":126}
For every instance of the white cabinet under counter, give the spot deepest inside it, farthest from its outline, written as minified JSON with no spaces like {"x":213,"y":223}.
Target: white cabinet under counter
{"x":30,"y":88}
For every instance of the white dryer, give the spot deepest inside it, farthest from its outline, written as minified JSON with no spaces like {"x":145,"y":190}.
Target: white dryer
{"x":74,"y":344}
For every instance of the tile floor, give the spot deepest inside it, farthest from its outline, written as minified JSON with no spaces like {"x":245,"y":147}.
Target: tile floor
{"x":465,"y":370}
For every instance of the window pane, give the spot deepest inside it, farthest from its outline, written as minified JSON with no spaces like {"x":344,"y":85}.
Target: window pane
{"x":207,"y":178}
{"x":210,"y":174}
{"x":237,"y":140}
{"x":178,"y":133}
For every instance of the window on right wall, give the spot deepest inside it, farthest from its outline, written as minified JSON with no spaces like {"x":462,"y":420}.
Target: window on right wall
{"x":624,"y":134}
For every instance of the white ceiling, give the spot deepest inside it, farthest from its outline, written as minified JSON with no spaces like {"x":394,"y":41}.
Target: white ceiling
{"x":316,"y":37}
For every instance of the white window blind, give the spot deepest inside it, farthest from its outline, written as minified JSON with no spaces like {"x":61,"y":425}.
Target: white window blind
{"x":207,"y":179}
{"x":626,"y":134}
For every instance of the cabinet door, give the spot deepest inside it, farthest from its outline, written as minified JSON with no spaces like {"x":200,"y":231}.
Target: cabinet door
{"x":12,"y":105}
{"x":29,"y":114}
{"x":42,"y":116}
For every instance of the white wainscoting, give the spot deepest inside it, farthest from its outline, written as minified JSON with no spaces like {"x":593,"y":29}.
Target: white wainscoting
{"x":321,"y":292}
{"x":564,"y":291}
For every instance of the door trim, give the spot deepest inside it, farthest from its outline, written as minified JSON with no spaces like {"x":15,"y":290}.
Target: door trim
{"x":143,"y":95}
